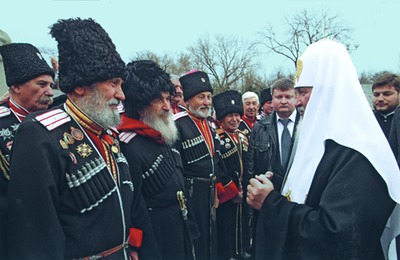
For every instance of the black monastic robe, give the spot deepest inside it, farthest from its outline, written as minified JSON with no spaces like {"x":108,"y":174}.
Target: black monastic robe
{"x":343,"y":217}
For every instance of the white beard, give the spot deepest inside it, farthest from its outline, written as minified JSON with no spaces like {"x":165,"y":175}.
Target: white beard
{"x":164,"y":124}
{"x":198,"y":113}
{"x":98,"y":109}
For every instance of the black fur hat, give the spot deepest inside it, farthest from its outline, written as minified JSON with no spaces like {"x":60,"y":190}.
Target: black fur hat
{"x":23,"y":62}
{"x":265,"y":96}
{"x":228,"y":102}
{"x":194,"y":83}
{"x":86,"y":54}
{"x":145,"y":82}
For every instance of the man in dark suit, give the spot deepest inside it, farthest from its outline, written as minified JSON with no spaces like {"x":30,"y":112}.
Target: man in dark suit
{"x":266,"y":152}
{"x":265,"y":149}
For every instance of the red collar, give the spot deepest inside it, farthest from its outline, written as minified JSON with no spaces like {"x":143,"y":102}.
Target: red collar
{"x":250,"y":122}
{"x":131,"y":124}
{"x":18,"y":110}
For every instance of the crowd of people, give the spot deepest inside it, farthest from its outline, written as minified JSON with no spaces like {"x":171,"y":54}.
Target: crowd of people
{"x":132,"y":162}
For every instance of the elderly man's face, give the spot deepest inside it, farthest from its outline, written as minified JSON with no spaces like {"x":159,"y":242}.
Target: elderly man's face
{"x":161,"y":106}
{"x":200,"y":104}
{"x":100,"y":102}
{"x":303,"y":95}
{"x":35,"y":94}
{"x":250,"y":107}
{"x":158,"y":115}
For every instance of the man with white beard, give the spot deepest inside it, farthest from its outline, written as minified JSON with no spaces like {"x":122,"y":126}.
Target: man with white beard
{"x":71,"y":194}
{"x":199,"y":147}
{"x":147,"y":133}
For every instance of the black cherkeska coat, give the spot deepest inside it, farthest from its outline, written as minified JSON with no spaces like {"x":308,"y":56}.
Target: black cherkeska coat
{"x":156,"y":169}
{"x":64,"y":203}
{"x":9,"y":124}
{"x":200,"y":171}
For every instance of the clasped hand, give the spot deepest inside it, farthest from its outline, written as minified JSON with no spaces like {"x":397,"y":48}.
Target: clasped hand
{"x":258,"y":190}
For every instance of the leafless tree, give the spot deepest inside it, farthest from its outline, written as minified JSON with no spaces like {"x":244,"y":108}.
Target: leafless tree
{"x":226,"y":59}
{"x":303,"y":29}
{"x":175,"y":64}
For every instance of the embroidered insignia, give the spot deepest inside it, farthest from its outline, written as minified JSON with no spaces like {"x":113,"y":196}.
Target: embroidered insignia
{"x":68,"y":139}
{"x":73,"y":158}
{"x":63,"y":144}
{"x":84,"y":150}
{"x":228,"y":146}
{"x":246,"y":132}
{"x":77,"y":134}
{"x":6,"y":133}
{"x":222,"y":142}
{"x":9,"y":145}
{"x":227,"y":140}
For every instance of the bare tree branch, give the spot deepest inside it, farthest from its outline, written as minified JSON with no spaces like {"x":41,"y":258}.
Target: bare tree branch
{"x":226,"y":59}
{"x":305,"y":28}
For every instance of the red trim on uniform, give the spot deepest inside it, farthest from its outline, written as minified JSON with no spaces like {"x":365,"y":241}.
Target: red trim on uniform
{"x":230,"y":191}
{"x":175,"y":109}
{"x":220,"y":189}
{"x":135,"y":237}
{"x":249,"y":121}
{"x":205,"y":131}
{"x":19,"y":111}
{"x":139,"y":127}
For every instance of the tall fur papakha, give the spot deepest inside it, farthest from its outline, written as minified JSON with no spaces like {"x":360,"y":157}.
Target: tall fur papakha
{"x":195,"y":82}
{"x":228,"y":102}
{"x":86,"y":54}
{"x":23,"y":62}
{"x":144,"y":83}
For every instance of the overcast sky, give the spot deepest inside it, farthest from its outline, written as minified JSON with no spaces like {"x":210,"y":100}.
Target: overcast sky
{"x":172,"y":26}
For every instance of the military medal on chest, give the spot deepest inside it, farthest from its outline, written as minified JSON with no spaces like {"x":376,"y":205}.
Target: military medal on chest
{"x":84,"y":150}
{"x":77,"y":134}
{"x":68,"y":139}
{"x":227,"y":143}
{"x":6,"y":133}
{"x":111,"y":141}
{"x":114,"y":149}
